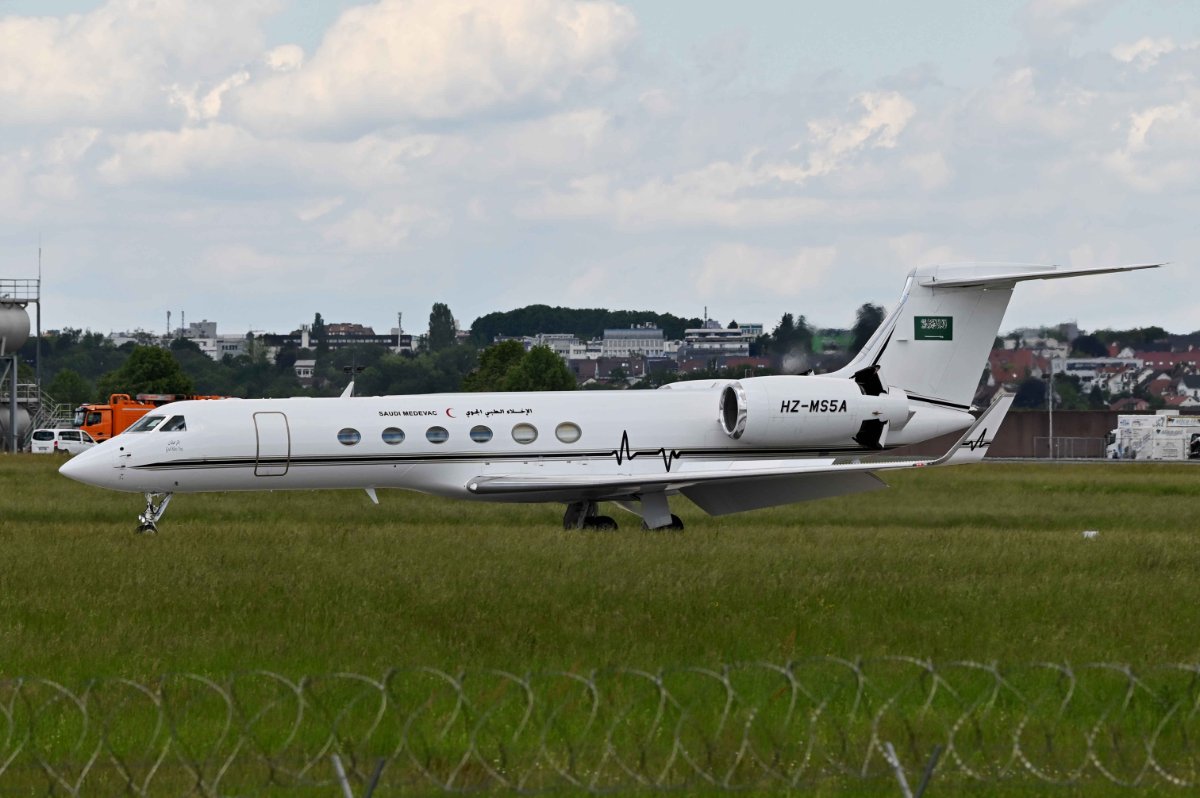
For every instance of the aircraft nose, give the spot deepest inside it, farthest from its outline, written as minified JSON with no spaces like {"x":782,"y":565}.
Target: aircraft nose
{"x":86,"y":467}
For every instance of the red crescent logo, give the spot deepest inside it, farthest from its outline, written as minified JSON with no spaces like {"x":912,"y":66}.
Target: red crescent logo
{"x":448,"y":413}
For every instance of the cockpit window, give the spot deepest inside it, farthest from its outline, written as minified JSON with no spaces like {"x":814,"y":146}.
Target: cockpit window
{"x":175,"y":424}
{"x":146,"y":424}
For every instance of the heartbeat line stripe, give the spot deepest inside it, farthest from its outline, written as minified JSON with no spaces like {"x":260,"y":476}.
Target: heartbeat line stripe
{"x":623,"y":452}
{"x":979,"y":443}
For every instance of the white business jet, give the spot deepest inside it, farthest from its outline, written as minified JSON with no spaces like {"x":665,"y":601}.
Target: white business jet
{"x":727,"y":445}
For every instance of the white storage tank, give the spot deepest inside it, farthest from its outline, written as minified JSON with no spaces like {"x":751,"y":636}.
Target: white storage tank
{"x":14,"y":328}
{"x":22,"y":423}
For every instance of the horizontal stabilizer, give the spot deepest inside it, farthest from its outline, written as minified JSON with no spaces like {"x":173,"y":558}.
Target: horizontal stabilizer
{"x":977,"y":275}
{"x":974,"y":446}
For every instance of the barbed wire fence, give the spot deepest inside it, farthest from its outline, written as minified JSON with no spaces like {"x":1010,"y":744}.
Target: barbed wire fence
{"x":752,"y":726}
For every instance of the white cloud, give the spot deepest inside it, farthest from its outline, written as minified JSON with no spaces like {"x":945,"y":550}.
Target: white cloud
{"x":1059,"y":19}
{"x":1145,"y":52}
{"x":114,"y":62}
{"x":315,"y":210}
{"x":737,"y":267}
{"x":201,"y":108}
{"x":365,"y":230}
{"x":1159,"y":149}
{"x":832,"y":141}
{"x":285,"y":58}
{"x":400,"y":60}
{"x":176,"y":155}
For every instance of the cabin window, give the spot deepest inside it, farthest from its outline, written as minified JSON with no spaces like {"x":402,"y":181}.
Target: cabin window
{"x":568,"y":432}
{"x":437,"y":435}
{"x":146,"y":424}
{"x":349,"y":436}
{"x":481,"y":434}
{"x":524,"y":433}
{"x":174,"y":424}
{"x":393,"y":435}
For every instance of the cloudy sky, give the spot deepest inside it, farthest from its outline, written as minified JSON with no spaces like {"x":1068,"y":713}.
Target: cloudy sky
{"x":255,"y":161}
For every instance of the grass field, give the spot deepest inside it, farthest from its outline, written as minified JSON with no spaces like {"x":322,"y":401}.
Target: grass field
{"x":982,"y":563}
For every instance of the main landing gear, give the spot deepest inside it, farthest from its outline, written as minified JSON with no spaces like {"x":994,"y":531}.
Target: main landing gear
{"x":156,"y":507}
{"x":676,"y":525}
{"x":583,"y":515}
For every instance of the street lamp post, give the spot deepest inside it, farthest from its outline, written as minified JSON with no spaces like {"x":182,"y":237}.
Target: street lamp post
{"x":1050,"y":405}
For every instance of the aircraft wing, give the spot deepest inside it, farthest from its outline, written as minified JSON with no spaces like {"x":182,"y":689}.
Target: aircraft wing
{"x":856,"y":473}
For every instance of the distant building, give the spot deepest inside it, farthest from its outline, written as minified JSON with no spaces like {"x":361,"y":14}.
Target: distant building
{"x":1169,"y":360}
{"x":1093,"y":371}
{"x":198,"y":329}
{"x":715,"y":341}
{"x":304,"y":371}
{"x":560,"y":343}
{"x":647,"y":341}
{"x":346,"y":335}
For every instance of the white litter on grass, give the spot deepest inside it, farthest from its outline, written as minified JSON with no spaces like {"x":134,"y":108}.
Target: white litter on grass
{"x":1088,"y":534}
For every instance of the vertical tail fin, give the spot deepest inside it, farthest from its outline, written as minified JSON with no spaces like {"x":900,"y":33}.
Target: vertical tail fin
{"x":934,"y":344}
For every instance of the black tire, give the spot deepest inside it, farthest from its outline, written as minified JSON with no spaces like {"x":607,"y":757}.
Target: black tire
{"x":676,"y":525}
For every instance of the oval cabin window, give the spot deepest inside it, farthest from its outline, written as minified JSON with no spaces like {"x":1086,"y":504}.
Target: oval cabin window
{"x":437,"y":435}
{"x":349,"y":436}
{"x":481,"y":434}
{"x":393,"y":435}
{"x":524,"y":433}
{"x":567,"y":432}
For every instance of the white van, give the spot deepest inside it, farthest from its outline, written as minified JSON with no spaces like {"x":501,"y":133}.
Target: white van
{"x":67,"y":441}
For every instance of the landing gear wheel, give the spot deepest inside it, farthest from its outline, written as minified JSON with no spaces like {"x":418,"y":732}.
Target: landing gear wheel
{"x":676,"y":525}
{"x":156,"y":507}
{"x":601,"y":523}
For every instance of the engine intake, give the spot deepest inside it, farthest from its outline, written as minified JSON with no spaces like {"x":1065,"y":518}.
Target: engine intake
{"x":733,"y":410}
{"x":802,"y":411}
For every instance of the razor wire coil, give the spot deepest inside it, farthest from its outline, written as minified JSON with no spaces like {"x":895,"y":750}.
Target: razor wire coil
{"x":738,"y":727}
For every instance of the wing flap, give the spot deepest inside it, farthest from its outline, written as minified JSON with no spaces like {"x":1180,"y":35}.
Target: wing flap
{"x":735,"y":496}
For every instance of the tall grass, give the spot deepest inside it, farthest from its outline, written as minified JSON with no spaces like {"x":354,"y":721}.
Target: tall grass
{"x":980,"y":562}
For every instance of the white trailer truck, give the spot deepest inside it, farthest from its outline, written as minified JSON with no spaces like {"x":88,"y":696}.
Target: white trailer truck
{"x":1163,"y":436}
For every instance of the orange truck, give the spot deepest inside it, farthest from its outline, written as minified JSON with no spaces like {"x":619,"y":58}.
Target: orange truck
{"x":102,"y":421}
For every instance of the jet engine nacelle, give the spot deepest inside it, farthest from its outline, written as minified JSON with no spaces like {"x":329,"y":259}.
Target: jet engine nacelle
{"x":812,"y":411}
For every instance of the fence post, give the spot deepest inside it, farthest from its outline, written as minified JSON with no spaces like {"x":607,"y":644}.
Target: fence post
{"x":341,"y":774}
{"x":889,"y":754}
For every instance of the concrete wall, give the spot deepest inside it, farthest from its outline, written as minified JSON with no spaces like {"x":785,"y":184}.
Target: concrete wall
{"x":1020,"y":433}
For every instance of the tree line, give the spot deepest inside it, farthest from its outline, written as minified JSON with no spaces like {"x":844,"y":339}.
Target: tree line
{"x":81,"y":366}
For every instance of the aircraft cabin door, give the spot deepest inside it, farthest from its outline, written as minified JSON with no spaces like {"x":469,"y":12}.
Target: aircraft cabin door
{"x":274,"y":449}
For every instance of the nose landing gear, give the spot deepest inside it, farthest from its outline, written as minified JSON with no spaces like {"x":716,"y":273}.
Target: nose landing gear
{"x":156,"y":507}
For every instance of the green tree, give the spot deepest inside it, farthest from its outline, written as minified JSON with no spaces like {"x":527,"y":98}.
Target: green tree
{"x":1088,"y":346}
{"x":69,"y":387}
{"x":540,"y":370}
{"x":318,"y":335}
{"x":148,"y":370}
{"x":441,"y":327}
{"x":1031,"y":394}
{"x":495,"y":363}
{"x":866,"y":322}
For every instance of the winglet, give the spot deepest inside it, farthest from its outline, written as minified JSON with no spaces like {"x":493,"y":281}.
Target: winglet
{"x":346,"y":394}
{"x":974,"y":443}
